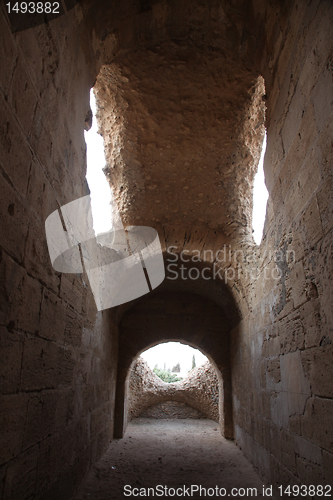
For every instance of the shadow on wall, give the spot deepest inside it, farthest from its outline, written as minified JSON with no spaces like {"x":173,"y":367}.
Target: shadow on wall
{"x":197,"y":396}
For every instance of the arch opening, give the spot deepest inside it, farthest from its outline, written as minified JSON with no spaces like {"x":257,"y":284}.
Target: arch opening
{"x":155,"y":394}
{"x":173,"y":357}
{"x":174,"y":316}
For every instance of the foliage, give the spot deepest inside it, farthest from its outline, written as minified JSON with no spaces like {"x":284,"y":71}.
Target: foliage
{"x":166,"y":375}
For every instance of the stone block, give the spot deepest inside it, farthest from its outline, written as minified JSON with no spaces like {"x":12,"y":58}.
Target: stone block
{"x":309,"y":451}
{"x":317,"y":48}
{"x":73,"y":327}
{"x":82,"y":434}
{"x":50,"y":461}
{"x":36,"y":256}
{"x":273,"y":374}
{"x":274,"y":347}
{"x":22,"y":97}
{"x":21,"y":476}
{"x":292,"y":334}
{"x":45,"y":365}
{"x":47,"y":414}
{"x":318,"y":368}
{"x":21,"y":297}
{"x":71,"y":290}
{"x":57,"y":454}
{"x":324,"y":150}
{"x":41,"y":142}
{"x":298,"y":283}
{"x":10,"y":276}
{"x":303,"y":141}
{"x":322,"y":98}
{"x":318,"y":410}
{"x":304,"y":185}
{"x":309,"y":473}
{"x":293,"y":378}
{"x":298,"y":240}
{"x":28,"y":303}
{"x":8,"y":54}
{"x":27,"y":41}
{"x":40,"y":417}
{"x":273,"y":159}
{"x":41,"y":196}
{"x":295,"y":424}
{"x":89,"y":307}
{"x":11,"y":348}
{"x":13,"y":411}
{"x":275,"y":441}
{"x":325,"y":202}
{"x":52,"y":317}
{"x":288,"y":451}
{"x":14,"y":151}
{"x":311,"y":321}
{"x":258,"y":430}
{"x":328,"y":467}
{"x":310,"y":224}
{"x":14,"y":221}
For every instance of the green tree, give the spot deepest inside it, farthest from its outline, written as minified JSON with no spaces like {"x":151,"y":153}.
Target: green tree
{"x":193,"y":362}
{"x":166,"y":375}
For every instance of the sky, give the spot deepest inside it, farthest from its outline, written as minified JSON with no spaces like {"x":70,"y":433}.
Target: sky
{"x":99,"y":186}
{"x":260,"y":196}
{"x":170,"y":353}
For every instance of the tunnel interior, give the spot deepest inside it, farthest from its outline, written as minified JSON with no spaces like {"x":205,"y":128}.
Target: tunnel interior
{"x":185,"y":90}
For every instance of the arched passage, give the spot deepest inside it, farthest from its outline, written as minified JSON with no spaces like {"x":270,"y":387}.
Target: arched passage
{"x":175,"y":316}
{"x":191,"y":392}
{"x":60,"y":356}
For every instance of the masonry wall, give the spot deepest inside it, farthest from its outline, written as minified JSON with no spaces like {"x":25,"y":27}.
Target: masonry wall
{"x":58,"y":355}
{"x":199,"y":390}
{"x":282,"y":351}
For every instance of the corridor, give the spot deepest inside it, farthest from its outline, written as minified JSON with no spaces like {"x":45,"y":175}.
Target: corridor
{"x":186,"y":91}
{"x":170,"y":453}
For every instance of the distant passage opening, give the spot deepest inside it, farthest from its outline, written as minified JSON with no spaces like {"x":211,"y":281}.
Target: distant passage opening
{"x":173,"y":380}
{"x":173,"y":358}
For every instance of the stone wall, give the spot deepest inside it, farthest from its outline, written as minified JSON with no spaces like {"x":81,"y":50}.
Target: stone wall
{"x":282,"y":351}
{"x":199,"y":390}
{"x":171,"y":410}
{"x":58,"y":355}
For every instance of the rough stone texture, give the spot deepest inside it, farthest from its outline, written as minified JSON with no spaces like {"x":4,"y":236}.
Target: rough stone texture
{"x":158,"y":136}
{"x":57,"y":363}
{"x":171,"y":409}
{"x":175,"y":68}
{"x":284,"y":344}
{"x":178,"y":316}
{"x":199,"y":390}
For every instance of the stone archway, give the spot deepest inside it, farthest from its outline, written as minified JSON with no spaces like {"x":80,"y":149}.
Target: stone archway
{"x":175,"y":316}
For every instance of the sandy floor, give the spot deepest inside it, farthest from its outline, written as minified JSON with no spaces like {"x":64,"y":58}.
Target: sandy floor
{"x":170,"y":453}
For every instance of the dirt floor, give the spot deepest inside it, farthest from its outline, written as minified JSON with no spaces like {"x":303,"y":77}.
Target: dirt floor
{"x":175,"y":454}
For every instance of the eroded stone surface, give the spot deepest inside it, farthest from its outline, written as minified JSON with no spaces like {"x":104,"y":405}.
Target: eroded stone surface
{"x":179,"y":71}
{"x":199,"y":390}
